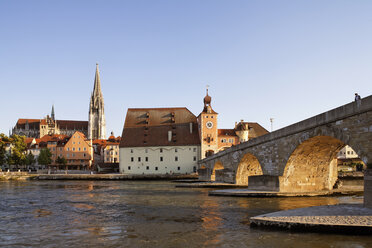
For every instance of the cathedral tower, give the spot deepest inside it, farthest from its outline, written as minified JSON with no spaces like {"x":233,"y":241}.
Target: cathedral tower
{"x":208,"y":130}
{"x":97,"y":123}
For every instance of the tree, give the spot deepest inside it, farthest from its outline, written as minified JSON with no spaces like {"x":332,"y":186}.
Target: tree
{"x":3,"y":140}
{"x":45,"y":157}
{"x":61,"y":161}
{"x":30,"y":159}
{"x":18,"y":150}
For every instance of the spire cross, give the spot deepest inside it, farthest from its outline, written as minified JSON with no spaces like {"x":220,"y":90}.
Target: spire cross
{"x":207,"y":86}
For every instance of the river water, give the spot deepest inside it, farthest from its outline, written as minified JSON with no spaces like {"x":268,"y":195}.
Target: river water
{"x":147,"y":214}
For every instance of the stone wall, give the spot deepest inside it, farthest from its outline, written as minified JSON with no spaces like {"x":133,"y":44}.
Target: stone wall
{"x":368,"y":188}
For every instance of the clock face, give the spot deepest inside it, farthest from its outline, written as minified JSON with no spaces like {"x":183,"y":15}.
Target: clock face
{"x":209,"y":124}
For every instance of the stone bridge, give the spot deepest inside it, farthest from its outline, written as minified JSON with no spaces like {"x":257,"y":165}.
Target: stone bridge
{"x":297,"y":158}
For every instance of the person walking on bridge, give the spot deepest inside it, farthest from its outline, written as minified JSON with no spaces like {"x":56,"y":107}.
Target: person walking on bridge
{"x":358,"y":99}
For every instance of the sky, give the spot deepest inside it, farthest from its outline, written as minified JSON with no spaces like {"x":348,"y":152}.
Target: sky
{"x":287,"y":60}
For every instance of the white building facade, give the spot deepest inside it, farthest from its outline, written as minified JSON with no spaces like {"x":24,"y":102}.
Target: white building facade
{"x":159,"y":160}
{"x":159,"y":141}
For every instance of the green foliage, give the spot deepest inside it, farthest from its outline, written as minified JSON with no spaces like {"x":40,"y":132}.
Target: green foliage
{"x":3,"y":139}
{"x":18,"y":150}
{"x":45,"y":157}
{"x":30,"y":159}
{"x":61,"y":161}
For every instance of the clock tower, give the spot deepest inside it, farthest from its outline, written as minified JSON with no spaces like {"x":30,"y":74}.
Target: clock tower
{"x":208,"y":132}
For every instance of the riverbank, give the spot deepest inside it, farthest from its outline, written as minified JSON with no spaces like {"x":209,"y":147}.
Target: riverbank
{"x":27,"y":176}
{"x":346,"y":218}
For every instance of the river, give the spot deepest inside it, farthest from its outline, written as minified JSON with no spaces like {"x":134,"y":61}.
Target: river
{"x":147,"y":214}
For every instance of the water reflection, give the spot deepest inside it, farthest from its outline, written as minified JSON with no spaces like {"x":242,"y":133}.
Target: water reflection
{"x":145,"y":214}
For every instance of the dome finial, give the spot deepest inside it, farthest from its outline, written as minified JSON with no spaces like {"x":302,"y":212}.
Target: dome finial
{"x":207,"y":98}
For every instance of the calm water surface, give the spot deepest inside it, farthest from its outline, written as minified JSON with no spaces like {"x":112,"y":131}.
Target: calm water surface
{"x":146,"y":214}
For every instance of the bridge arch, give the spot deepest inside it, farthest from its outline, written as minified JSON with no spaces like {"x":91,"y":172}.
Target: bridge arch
{"x":248,"y":166}
{"x":312,"y":166}
{"x":217,"y":166}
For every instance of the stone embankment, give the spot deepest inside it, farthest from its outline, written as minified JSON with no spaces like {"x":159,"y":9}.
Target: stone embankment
{"x":14,"y":176}
{"x":347,"y":218}
{"x":27,"y":176}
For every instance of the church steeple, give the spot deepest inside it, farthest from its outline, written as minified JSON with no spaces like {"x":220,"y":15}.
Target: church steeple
{"x":52,"y":114}
{"x":97,"y":123}
{"x":97,"y":84}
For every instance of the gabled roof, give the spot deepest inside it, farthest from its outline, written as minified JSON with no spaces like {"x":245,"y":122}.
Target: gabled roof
{"x":145,"y":127}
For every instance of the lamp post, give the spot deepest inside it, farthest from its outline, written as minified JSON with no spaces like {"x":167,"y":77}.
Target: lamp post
{"x":272,"y":123}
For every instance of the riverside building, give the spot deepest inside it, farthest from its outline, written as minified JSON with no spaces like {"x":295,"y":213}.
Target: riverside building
{"x":159,"y":141}
{"x":172,"y":140}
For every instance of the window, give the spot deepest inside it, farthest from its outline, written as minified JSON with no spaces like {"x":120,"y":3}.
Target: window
{"x":221,"y":140}
{"x":54,"y":148}
{"x":194,"y":149}
{"x":206,"y":116}
{"x":84,"y":154}
{"x":156,"y":168}
{"x":131,"y":150}
{"x":212,"y":116}
{"x":85,"y":148}
{"x":73,"y":148}
{"x":132,"y":159}
{"x":128,"y":167}
{"x":175,"y":158}
{"x":146,"y":151}
{"x":60,"y":149}
{"x":147,"y":159}
{"x":194,"y":168}
{"x":73,"y":142}
{"x":175,"y":150}
{"x":147,"y":167}
{"x":178,"y":168}
{"x":139,"y":159}
{"x":79,"y":148}
{"x":116,"y":153}
{"x":161,"y":159}
{"x":161,"y":149}
{"x":73,"y":155}
{"x":194,"y":158}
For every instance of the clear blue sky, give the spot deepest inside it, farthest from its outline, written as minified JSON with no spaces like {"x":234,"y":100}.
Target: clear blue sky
{"x":288,"y":60}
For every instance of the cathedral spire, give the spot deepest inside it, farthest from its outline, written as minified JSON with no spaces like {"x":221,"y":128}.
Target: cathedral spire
{"x":97,"y":122}
{"x":97,"y":84}
{"x":52,"y":114}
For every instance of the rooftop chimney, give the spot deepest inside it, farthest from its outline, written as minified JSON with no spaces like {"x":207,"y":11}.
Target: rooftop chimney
{"x":169,"y":136}
{"x":190,"y":127}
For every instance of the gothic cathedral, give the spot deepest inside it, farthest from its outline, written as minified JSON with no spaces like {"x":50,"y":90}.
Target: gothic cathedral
{"x":97,"y":123}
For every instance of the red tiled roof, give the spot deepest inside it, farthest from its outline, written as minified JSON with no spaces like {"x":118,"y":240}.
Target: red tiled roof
{"x":62,"y":124}
{"x":32,"y":123}
{"x":150,"y":127}
{"x":226,"y":132}
{"x":72,"y":125}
